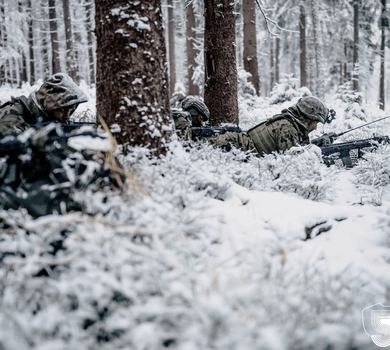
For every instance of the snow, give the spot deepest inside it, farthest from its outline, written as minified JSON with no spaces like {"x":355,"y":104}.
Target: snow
{"x":207,"y":250}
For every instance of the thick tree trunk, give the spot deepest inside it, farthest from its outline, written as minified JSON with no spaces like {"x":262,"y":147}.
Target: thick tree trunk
{"x":384,"y":24}
{"x":250,"y":43}
{"x":220,"y":62}
{"x":191,"y":53}
{"x":54,"y":37}
{"x":88,"y":26}
{"x":355,"y":74}
{"x":171,"y":41}
{"x":302,"y":44}
{"x":71,"y":66}
{"x":132,"y":91}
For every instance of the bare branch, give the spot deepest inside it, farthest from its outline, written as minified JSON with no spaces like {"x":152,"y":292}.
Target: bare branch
{"x":269,"y":20}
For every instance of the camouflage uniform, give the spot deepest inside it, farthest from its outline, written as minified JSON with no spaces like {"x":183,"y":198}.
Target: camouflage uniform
{"x":60,"y":91}
{"x":279,"y":133}
{"x":196,"y":107}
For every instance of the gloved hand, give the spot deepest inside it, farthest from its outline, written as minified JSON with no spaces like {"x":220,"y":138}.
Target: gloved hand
{"x":325,"y":140}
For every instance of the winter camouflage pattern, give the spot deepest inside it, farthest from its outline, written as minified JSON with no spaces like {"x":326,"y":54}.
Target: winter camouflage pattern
{"x":41,"y":175}
{"x":239,"y":140}
{"x":281,"y":132}
{"x":183,"y":123}
{"x":58,"y":92}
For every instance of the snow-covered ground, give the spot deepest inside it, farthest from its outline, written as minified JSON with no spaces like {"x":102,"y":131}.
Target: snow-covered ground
{"x":208,"y":250}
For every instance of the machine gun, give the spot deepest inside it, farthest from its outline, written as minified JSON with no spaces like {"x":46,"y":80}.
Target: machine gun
{"x":205,"y":132}
{"x":348,"y":152}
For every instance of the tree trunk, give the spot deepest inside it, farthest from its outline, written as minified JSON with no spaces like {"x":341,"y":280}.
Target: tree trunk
{"x":271,"y":64}
{"x":277,"y":54}
{"x":31,"y":43}
{"x":54,"y":37}
{"x":220,"y":62}
{"x":191,"y":54}
{"x":132,"y":90}
{"x":171,"y":41}
{"x":320,"y":83}
{"x":250,"y":43}
{"x":88,"y":26}
{"x":355,"y":74}
{"x":302,"y":44}
{"x":384,"y":24}
{"x":45,"y":45}
{"x":71,"y":66}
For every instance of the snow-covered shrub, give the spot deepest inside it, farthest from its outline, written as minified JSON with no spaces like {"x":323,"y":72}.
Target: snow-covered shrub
{"x":372,"y":174}
{"x":287,"y":90}
{"x":245,"y":87}
{"x":298,"y":170}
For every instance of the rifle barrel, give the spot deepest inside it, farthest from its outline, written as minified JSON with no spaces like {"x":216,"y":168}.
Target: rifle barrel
{"x":378,"y":120}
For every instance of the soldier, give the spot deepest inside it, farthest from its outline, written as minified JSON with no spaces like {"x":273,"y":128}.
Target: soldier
{"x":199,"y":115}
{"x":55,"y":100}
{"x":281,"y":132}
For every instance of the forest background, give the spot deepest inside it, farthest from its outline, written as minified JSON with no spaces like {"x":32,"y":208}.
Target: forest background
{"x":322,"y":43}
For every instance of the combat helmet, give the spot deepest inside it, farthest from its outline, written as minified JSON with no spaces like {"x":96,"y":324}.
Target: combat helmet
{"x":195,"y":106}
{"x":312,"y":108}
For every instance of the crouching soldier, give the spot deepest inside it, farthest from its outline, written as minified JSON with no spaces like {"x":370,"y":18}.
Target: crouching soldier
{"x":195,"y":114}
{"x":55,"y":100}
{"x":281,"y":132}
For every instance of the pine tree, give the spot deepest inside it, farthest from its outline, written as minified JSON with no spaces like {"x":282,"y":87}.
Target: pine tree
{"x":132,"y":79}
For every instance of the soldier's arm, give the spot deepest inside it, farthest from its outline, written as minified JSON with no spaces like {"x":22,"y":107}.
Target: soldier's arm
{"x":11,"y":121}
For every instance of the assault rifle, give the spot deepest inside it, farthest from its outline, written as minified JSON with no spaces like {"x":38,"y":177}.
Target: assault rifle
{"x":205,"y":132}
{"x":66,"y":127}
{"x":331,"y":152}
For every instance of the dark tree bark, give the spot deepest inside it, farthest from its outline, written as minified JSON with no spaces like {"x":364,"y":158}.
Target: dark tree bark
{"x":191,"y":53}
{"x":220,"y":62}
{"x":88,"y":26}
{"x":171,"y":41}
{"x":277,"y":56}
{"x":71,"y":66}
{"x":31,"y":43}
{"x":250,"y":42}
{"x":54,"y":37}
{"x":355,"y":75}
{"x":302,"y":44}
{"x":384,"y":24}
{"x":132,"y":90}
{"x":271,"y":65}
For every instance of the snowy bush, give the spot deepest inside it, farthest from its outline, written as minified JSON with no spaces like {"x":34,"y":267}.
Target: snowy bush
{"x":287,"y":90}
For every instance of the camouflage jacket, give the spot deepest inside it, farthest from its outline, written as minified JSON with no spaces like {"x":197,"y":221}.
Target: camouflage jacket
{"x":183,"y":127}
{"x":280,"y":132}
{"x":57,"y":92}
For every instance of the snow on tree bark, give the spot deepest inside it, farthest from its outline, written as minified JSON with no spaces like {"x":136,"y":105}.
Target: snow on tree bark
{"x":193,"y":89}
{"x":132,"y":77}
{"x":171,"y":41}
{"x":302,"y":43}
{"x":250,"y":43}
{"x":71,"y":66}
{"x":220,"y":62}
{"x":54,"y":37}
